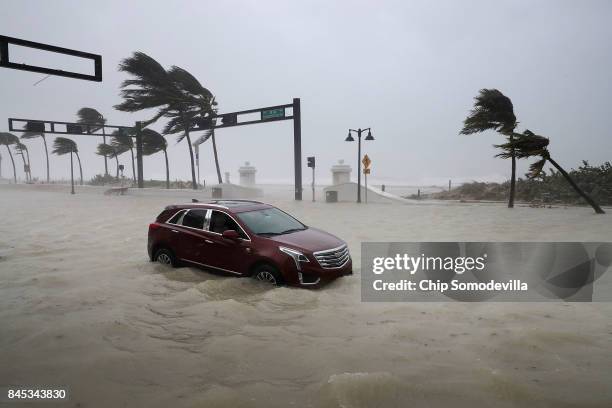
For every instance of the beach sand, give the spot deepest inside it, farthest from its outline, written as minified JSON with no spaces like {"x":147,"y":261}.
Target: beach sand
{"x":81,"y":306}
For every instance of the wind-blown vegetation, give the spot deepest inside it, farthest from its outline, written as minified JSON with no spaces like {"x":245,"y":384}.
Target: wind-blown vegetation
{"x":33,"y":130}
{"x":91,"y":116}
{"x":548,"y":187}
{"x":109,"y":151}
{"x":153,"y":142}
{"x":210,"y":134}
{"x":494,"y":111}
{"x":62,"y":146}
{"x":8,"y":139}
{"x":175,"y":94}
{"x":22,"y":150}
{"x":122,"y":142}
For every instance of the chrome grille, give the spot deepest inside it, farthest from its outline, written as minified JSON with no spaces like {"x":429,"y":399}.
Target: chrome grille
{"x":333,"y":258}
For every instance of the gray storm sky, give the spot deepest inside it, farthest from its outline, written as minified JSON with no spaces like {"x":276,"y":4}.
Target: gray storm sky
{"x":408,"y":69}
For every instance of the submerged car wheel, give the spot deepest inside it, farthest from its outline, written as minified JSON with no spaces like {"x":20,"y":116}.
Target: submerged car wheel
{"x":165,"y":257}
{"x":268,"y":273}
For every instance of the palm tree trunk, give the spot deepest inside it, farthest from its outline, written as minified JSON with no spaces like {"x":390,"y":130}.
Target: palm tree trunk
{"x":588,"y":199}
{"x":46,"y":154}
{"x":25,"y":167}
{"x":214,"y":143}
{"x":12,"y":161}
{"x":186,"y":126}
{"x":29,"y":166}
{"x":105,"y":159}
{"x":167,"y":170}
{"x":117,"y":160}
{"x":71,"y":175}
{"x":133,"y":167}
{"x":512,"y":176}
{"x":80,"y":168}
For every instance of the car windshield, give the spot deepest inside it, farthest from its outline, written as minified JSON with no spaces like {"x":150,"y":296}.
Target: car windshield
{"x":270,"y":221}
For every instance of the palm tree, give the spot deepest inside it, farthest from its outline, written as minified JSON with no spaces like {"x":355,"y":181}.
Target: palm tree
{"x":22,"y":150}
{"x":122,"y":142}
{"x":8,"y":139}
{"x":176,"y":94}
{"x":35,"y":129}
{"x":109,"y":151}
{"x":63,"y":145}
{"x":528,"y":144}
{"x":210,"y":134}
{"x":91,"y":116}
{"x":153,"y":142}
{"x":494,"y":111}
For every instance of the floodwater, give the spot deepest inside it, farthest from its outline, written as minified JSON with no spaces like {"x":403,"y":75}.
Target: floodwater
{"x":81,"y":306}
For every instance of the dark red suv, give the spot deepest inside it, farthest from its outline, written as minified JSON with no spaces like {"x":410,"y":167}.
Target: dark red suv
{"x":247,"y":238}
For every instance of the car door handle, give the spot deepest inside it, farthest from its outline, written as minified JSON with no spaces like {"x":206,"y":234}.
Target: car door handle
{"x":174,"y":231}
{"x":208,"y":241}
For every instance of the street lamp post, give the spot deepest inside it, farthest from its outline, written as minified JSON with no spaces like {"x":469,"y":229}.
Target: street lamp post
{"x":350,"y":138}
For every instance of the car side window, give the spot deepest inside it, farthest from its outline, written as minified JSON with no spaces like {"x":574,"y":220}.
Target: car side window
{"x":177,"y":218}
{"x":220,"y":222}
{"x":194,"y":219}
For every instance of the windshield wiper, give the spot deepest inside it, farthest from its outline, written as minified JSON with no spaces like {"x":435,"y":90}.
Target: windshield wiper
{"x":269,"y":233}
{"x":292,"y":230}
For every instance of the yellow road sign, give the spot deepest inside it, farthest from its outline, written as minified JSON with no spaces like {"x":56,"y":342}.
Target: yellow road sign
{"x":366,"y":161}
{"x":366,"y":171}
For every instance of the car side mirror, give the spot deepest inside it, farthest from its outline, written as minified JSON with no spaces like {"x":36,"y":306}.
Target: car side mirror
{"x":231,"y":235}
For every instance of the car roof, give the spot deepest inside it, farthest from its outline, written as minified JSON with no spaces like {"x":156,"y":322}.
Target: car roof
{"x":235,"y":206}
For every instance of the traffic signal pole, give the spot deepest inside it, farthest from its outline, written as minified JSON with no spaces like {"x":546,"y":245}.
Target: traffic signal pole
{"x":297,"y":147}
{"x":139,"y":154}
{"x":313,"y":184}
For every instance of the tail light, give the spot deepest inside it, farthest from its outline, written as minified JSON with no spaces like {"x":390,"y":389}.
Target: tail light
{"x":154,"y":226}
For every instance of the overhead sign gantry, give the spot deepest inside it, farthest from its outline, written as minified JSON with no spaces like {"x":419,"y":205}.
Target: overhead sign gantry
{"x":231,"y":119}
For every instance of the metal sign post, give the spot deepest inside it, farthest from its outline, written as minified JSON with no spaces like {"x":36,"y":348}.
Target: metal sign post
{"x":366,"y":170}
{"x":267,"y":114}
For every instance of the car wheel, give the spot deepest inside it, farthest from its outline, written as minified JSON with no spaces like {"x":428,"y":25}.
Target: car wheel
{"x":165,"y":257}
{"x":268,"y":273}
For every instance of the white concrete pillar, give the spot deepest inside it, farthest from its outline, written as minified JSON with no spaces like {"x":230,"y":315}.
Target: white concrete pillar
{"x":247,"y":174}
{"x":341,"y":173}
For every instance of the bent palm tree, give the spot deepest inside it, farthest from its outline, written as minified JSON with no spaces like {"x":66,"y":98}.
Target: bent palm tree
{"x":494,"y":111}
{"x":210,"y":134}
{"x":63,"y":145}
{"x":22,"y":150}
{"x":176,"y":94}
{"x":109,"y":151}
{"x":153,"y":142}
{"x":8,"y":139}
{"x":528,"y":144}
{"x":122,"y":142}
{"x":35,"y":129}
{"x":91,"y":116}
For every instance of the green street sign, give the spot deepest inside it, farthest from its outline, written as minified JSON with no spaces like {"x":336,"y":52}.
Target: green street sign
{"x":273,"y":113}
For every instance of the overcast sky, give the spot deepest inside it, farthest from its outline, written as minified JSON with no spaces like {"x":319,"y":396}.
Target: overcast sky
{"x":408,"y":69}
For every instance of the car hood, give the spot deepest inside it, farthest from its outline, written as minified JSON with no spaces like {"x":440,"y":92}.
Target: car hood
{"x":310,"y":240}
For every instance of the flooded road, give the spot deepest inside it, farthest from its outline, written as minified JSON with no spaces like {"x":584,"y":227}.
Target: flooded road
{"x":81,"y":306}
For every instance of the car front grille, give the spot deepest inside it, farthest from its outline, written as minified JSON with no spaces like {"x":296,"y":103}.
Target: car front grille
{"x":333,"y":258}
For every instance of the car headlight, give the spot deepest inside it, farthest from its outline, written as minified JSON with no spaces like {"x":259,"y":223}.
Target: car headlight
{"x":297,"y":256}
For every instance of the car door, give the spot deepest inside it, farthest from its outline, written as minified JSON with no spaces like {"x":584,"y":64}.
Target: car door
{"x":228,"y":255}
{"x":191,"y":242}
